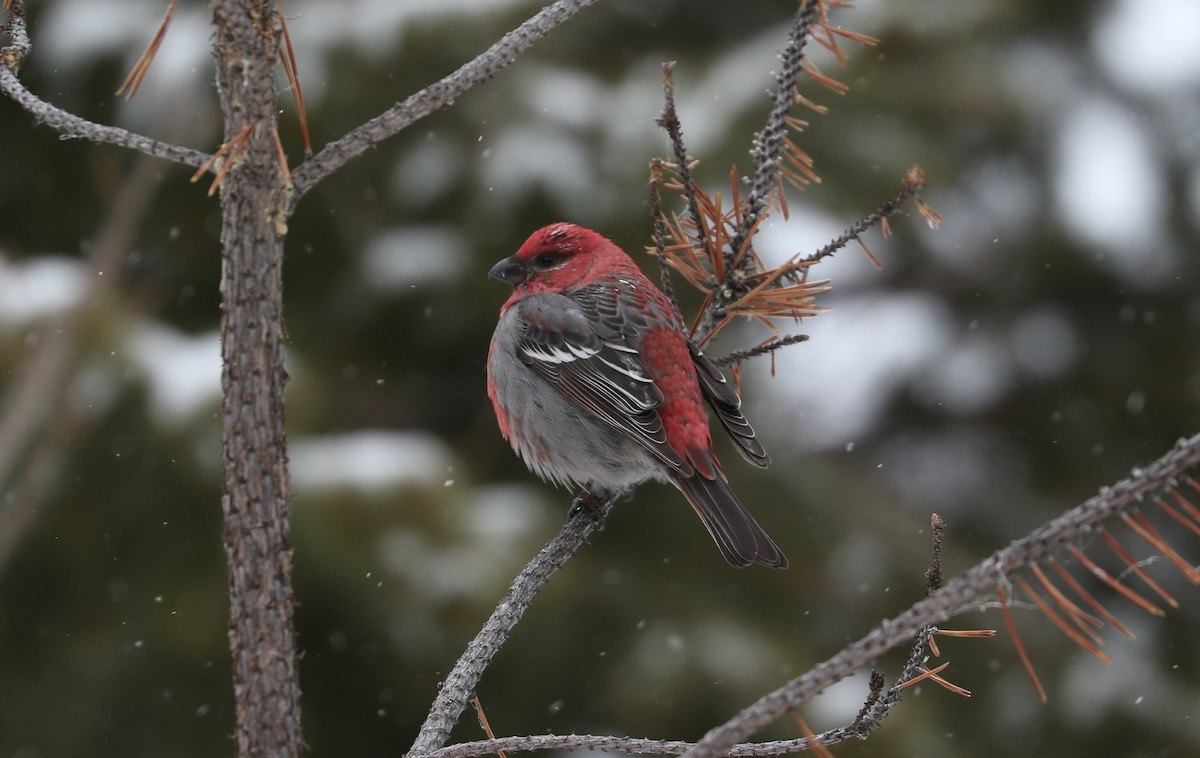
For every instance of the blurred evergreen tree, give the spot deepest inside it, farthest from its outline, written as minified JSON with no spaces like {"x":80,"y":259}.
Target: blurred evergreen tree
{"x":1016,"y":364}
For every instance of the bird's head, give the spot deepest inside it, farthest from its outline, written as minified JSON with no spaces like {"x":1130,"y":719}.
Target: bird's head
{"x":560,"y":258}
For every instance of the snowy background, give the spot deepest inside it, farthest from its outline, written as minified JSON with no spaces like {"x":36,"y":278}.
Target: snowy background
{"x":1037,"y":346}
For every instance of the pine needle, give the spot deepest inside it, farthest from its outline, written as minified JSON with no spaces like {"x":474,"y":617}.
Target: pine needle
{"x":1144,"y":529}
{"x":1012,"y":630}
{"x":1124,"y":555}
{"x":1092,"y":602}
{"x":287,"y":56}
{"x":1058,"y":621}
{"x":1105,"y":577}
{"x":133,"y":81}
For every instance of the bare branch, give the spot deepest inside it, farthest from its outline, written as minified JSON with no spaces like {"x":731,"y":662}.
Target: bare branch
{"x":878,"y":707}
{"x":916,"y":622}
{"x":914,"y":180}
{"x":587,"y":516}
{"x":1141,"y":485}
{"x":437,"y":95}
{"x":635,"y":745}
{"x":669,"y":120}
{"x":68,"y":125}
{"x":660,"y":232}
{"x":738,"y":356}
{"x":933,"y":576}
{"x":863,"y":723}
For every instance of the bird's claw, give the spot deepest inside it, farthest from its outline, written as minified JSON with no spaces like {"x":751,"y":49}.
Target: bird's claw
{"x":593,"y":506}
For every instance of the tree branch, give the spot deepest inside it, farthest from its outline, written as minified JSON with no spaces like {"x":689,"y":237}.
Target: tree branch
{"x":437,"y":95}
{"x":916,"y":622}
{"x":767,"y":348}
{"x":586,"y":517}
{"x":669,"y":121}
{"x":913,"y":182}
{"x":1140,"y":485}
{"x":68,"y":125}
{"x":634,"y":745}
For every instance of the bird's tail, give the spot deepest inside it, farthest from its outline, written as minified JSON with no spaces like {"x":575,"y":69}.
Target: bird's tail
{"x":741,"y":540}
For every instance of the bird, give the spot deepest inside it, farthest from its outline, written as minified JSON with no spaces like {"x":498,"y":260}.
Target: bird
{"x":596,"y":385}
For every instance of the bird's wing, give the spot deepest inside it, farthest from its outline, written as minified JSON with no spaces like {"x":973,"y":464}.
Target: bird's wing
{"x":580,"y":345}
{"x":724,"y":400}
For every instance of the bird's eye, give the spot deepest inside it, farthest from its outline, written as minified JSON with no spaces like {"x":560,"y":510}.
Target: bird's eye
{"x":547,"y":261}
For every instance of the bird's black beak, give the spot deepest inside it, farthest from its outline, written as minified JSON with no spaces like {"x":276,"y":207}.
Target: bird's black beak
{"x":508,"y":270}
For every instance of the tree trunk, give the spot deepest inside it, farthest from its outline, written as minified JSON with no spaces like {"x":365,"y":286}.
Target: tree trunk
{"x":254,"y":196}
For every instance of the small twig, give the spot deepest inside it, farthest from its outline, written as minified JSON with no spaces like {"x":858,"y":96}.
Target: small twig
{"x":738,"y":356}
{"x":632,"y":745}
{"x":914,"y":180}
{"x":863,"y":723}
{"x":660,"y":232}
{"x":933,"y":577}
{"x":669,"y":121}
{"x":914,"y":667}
{"x":19,"y":46}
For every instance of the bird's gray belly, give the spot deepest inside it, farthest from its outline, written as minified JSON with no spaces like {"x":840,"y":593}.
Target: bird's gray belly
{"x":563,"y":442}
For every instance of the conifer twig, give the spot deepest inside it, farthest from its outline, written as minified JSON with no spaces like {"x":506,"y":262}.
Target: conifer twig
{"x":669,"y":121}
{"x":767,"y":348}
{"x":68,"y":125}
{"x":768,"y":144}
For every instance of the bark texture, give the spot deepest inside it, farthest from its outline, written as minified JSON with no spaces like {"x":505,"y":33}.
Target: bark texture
{"x":254,"y":198}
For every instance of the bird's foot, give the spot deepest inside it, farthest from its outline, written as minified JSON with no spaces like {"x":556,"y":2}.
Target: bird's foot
{"x":592,"y":505}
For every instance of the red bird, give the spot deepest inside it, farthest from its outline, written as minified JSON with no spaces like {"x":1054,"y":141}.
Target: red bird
{"x":596,"y":385}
